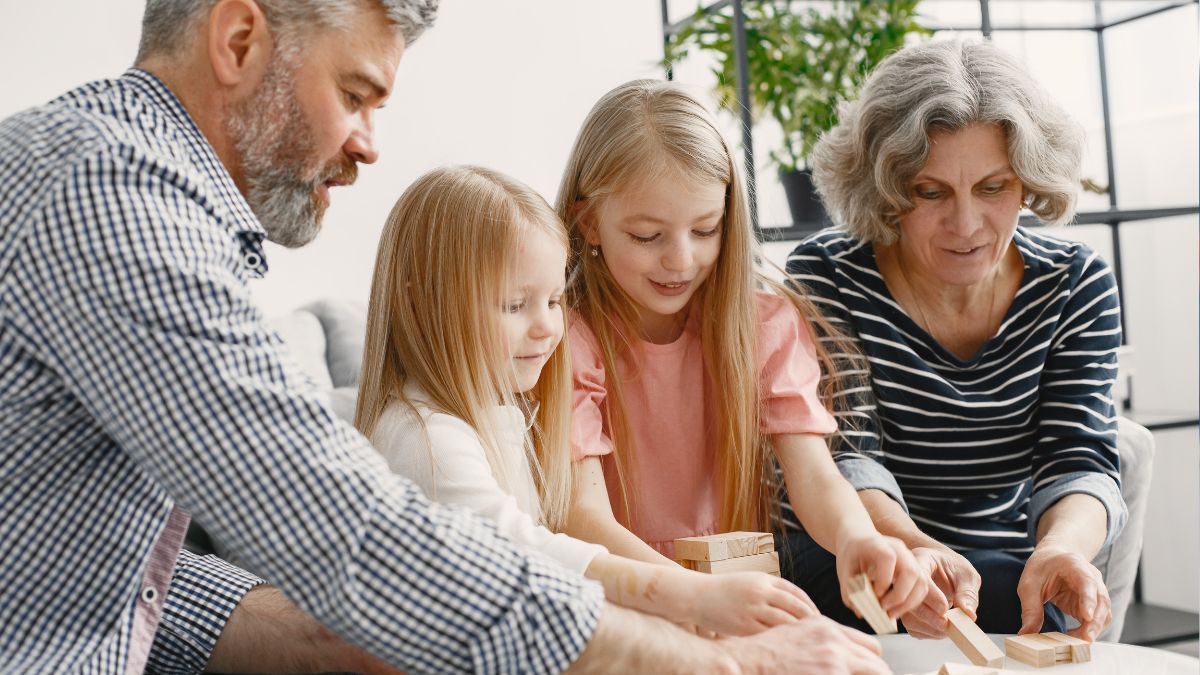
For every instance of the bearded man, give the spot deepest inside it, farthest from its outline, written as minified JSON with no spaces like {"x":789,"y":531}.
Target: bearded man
{"x":139,"y":388}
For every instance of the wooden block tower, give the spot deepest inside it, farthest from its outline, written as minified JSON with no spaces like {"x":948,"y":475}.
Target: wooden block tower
{"x":729,"y":552}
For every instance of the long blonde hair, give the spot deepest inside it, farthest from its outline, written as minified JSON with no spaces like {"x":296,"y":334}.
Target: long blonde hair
{"x":644,"y":129}
{"x":433,"y":318}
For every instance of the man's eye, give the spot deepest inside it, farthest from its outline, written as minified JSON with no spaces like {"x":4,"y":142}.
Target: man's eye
{"x":354,"y":100}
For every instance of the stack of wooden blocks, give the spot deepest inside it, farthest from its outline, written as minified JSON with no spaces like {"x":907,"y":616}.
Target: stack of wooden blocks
{"x":729,"y":552}
{"x":1047,"y":649}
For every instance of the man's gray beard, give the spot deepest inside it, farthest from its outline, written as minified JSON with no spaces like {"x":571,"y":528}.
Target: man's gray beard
{"x":274,"y":142}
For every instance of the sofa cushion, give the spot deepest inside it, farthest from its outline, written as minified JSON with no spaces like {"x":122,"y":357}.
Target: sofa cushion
{"x":345,"y":325}
{"x":305,"y":338}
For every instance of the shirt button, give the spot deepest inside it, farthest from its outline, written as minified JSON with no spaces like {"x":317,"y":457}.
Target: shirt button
{"x":149,"y":595}
{"x":252,"y":260}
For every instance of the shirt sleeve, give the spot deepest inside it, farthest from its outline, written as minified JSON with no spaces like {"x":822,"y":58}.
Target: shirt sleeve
{"x":203,"y":594}
{"x":148,"y":320}
{"x":789,"y":372}
{"x":588,"y":435}
{"x":453,"y":469}
{"x":856,"y":446}
{"x":1076,"y":449}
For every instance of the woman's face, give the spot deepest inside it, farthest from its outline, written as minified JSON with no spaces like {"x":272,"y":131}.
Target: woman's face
{"x":966,"y":202}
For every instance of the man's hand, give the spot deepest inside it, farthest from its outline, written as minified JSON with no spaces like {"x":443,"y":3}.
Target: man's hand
{"x":812,"y":645}
{"x":1072,"y":583}
{"x":955,"y":580}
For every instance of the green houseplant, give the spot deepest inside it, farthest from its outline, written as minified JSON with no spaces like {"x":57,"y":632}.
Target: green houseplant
{"x":804,"y":59}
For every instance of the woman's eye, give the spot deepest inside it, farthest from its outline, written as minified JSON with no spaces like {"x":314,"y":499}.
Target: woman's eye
{"x":643,"y":240}
{"x":554,"y":302}
{"x":992,"y":189}
{"x":928,"y":193}
{"x":706,"y":233}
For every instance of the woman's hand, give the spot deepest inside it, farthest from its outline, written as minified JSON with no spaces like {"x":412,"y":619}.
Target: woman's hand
{"x":1072,"y":583}
{"x":746,"y":602}
{"x":898,"y":580}
{"x":954,"y":580}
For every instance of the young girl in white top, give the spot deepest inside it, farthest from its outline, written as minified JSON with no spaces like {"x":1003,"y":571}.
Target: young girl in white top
{"x":466,"y":388}
{"x":694,"y":373}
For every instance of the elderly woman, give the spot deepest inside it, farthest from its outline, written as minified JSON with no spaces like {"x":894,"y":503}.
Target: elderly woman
{"x":986,"y":438}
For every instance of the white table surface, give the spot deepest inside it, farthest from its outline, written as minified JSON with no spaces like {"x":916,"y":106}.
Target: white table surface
{"x":906,"y":654}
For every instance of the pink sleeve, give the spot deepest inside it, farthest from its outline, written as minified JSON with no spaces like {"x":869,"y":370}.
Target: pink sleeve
{"x":789,"y":372}
{"x":587,"y":373}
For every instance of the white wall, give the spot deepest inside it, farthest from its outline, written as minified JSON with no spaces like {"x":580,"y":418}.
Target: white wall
{"x":505,"y":83}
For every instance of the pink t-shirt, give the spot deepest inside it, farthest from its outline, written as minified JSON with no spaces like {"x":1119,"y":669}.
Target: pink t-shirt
{"x":668,"y":410}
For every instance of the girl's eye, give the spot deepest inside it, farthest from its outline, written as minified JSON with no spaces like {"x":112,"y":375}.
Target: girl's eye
{"x":643,"y":240}
{"x":514,"y":307}
{"x":704,"y":234}
{"x":554,"y":302}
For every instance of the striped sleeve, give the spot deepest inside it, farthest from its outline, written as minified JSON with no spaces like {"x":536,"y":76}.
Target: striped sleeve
{"x":856,"y":445}
{"x":1076,"y":447}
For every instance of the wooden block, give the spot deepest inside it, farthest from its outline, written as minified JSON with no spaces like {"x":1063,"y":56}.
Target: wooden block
{"x":1047,"y":649}
{"x":972,"y":641}
{"x":762,"y":562}
{"x":716,"y":547}
{"x":862,"y":596}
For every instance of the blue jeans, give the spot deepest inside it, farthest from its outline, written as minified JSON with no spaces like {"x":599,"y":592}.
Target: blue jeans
{"x":803,"y":562}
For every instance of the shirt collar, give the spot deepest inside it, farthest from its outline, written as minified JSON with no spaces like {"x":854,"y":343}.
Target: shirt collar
{"x":243,"y":220}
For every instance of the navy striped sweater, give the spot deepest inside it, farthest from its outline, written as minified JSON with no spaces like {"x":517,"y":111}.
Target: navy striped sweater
{"x":966,"y":445}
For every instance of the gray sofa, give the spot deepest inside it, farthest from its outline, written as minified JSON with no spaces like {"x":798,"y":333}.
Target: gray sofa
{"x":326,"y":337}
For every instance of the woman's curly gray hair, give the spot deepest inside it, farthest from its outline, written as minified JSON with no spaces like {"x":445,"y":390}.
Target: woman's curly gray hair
{"x":863,"y":168}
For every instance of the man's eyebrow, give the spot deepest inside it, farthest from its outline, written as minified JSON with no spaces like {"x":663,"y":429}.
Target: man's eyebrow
{"x":377,"y":88}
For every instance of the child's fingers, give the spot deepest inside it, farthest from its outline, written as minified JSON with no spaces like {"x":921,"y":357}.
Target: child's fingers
{"x":900,"y":599}
{"x":770,"y":617}
{"x":798,"y":606}
{"x":798,"y":593}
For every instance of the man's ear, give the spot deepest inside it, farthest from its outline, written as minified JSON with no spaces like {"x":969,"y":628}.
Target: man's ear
{"x":239,"y":43}
{"x":585,"y":218}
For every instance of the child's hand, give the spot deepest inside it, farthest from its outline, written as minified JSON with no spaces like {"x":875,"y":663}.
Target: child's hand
{"x":899,"y":581}
{"x":747,"y":602}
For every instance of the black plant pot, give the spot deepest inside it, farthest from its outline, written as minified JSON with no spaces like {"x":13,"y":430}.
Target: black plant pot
{"x":808,"y":213}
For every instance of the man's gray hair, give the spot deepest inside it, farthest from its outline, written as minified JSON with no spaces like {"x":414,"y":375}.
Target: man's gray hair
{"x":864,"y":166}
{"x":166,"y":24}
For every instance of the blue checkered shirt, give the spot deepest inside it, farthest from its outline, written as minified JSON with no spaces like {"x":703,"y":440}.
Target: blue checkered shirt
{"x":137,"y":377}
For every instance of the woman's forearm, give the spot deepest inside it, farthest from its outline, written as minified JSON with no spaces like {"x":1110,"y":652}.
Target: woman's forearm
{"x":1077,"y":523}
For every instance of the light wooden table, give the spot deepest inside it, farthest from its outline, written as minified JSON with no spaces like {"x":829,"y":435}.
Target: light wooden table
{"x":906,"y":654}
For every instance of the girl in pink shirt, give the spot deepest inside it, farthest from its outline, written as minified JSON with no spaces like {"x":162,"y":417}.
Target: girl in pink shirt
{"x":691,"y":368}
